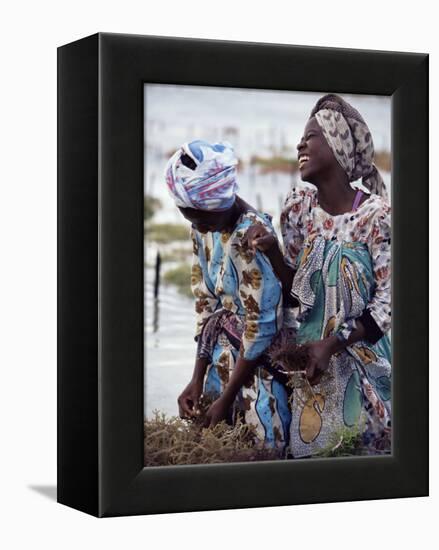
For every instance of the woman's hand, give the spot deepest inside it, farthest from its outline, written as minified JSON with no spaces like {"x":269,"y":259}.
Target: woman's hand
{"x":259,"y":238}
{"x":216,"y":413}
{"x":319,"y":353}
{"x":189,"y":399}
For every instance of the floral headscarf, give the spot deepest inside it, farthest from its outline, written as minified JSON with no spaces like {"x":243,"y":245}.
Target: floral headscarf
{"x":350,"y":140}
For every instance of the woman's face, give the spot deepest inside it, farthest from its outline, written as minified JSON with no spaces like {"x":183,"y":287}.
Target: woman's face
{"x":314,"y":154}
{"x":204,"y":221}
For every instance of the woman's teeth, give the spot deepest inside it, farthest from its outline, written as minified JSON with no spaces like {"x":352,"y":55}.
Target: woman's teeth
{"x":302,"y":160}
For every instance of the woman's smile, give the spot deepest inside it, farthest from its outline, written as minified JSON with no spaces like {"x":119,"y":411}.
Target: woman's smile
{"x":303,"y":159}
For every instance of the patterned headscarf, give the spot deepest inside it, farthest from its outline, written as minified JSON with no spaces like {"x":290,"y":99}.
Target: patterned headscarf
{"x":211,"y":185}
{"x":350,"y":140}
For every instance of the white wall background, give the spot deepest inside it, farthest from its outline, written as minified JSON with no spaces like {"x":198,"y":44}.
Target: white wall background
{"x":29,"y":35}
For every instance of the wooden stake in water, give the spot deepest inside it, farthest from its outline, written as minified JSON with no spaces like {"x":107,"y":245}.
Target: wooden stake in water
{"x":158,"y":263}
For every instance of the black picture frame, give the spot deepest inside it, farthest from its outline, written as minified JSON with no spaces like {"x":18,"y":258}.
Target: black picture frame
{"x":100,"y":274}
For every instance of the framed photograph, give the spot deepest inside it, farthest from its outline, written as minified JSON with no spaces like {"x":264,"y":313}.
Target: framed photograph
{"x":242,"y":260}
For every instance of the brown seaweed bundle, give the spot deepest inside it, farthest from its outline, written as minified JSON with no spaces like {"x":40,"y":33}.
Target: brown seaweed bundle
{"x":173,"y":441}
{"x":292,"y":359}
{"x":289,"y":355}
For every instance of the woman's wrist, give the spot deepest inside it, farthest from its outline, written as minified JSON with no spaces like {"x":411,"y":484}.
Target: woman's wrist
{"x":197,"y":378}
{"x":274,"y":252}
{"x":227,"y":397}
{"x":335,"y":344}
{"x":338,"y":342}
{"x":199,"y":370}
{"x":240,"y":376}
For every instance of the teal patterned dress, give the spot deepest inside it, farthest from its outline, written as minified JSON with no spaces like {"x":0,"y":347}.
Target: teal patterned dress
{"x":343,"y":274}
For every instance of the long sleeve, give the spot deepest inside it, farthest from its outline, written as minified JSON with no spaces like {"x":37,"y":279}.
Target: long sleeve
{"x":205,"y":300}
{"x":260,"y":293}
{"x":379,"y":308}
{"x":376,"y":317}
{"x":294,"y":223}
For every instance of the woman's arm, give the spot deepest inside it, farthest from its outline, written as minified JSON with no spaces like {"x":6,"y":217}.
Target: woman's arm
{"x":189,"y":399}
{"x":261,"y":297}
{"x":320,"y":351}
{"x":376,"y":317}
{"x":241,"y":373}
{"x":259,"y":238}
{"x":378,"y":311}
{"x":205,"y":304}
{"x":284,"y":272}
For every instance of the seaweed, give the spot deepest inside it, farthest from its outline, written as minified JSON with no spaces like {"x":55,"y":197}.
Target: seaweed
{"x":175,"y":441}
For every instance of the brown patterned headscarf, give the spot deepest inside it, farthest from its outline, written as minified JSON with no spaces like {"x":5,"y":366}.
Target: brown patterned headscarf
{"x":350,"y":140}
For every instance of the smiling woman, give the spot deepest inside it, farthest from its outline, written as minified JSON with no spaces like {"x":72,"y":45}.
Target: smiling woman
{"x":313,"y":154}
{"x":337,"y":268}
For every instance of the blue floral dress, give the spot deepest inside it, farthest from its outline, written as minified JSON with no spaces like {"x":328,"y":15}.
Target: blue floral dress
{"x":238,"y":303}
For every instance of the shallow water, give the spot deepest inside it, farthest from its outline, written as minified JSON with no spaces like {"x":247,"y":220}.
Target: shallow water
{"x":170,"y":351}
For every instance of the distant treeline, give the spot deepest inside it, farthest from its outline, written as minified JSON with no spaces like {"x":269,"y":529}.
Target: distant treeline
{"x":287,"y":165}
